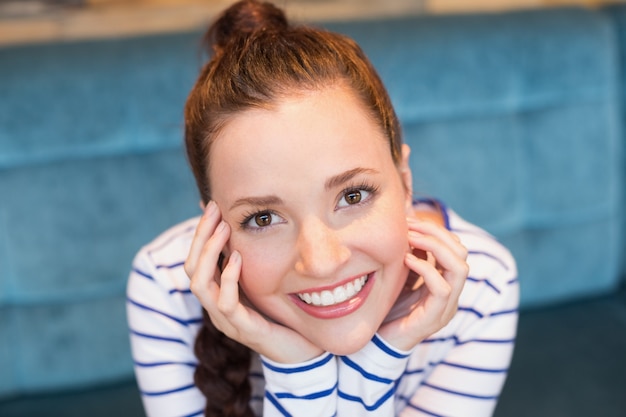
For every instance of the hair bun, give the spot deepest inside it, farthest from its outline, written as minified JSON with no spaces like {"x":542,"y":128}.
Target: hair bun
{"x":244,"y":18}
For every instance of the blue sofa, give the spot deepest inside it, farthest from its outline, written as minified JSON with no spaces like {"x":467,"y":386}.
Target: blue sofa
{"x":516,"y":120}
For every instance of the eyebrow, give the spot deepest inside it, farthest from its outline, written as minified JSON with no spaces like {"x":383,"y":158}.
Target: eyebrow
{"x":344,"y":177}
{"x":270,"y":200}
{"x":332,"y":182}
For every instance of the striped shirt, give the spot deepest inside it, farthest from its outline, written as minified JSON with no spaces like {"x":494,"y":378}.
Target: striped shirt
{"x":458,"y":371}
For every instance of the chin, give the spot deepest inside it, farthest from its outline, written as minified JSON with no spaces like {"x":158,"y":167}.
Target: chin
{"x":347,"y":344}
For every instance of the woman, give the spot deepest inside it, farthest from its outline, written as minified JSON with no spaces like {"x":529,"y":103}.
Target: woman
{"x":323,"y":288}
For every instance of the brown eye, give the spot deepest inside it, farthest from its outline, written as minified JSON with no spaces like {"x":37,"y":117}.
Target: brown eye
{"x":353,"y":197}
{"x":263,"y":219}
{"x":356,"y":196}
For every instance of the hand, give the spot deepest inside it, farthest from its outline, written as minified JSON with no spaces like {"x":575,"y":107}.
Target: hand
{"x":219,"y":294}
{"x":438,"y":273}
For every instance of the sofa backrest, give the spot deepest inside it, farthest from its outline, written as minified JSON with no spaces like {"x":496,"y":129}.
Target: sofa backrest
{"x":513,"y":120}
{"x":91,"y":168}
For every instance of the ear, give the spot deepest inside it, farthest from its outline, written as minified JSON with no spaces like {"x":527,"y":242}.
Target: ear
{"x":407,"y":177}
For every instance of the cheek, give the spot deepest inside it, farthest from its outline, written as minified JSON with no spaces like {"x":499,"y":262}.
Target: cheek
{"x":388,"y":229}
{"x":262,"y":268}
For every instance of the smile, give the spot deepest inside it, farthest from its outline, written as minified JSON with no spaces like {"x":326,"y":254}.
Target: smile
{"x":338,"y":295}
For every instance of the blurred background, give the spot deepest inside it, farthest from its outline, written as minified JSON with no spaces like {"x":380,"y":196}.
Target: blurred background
{"x":25,"y":21}
{"x":514,"y":111}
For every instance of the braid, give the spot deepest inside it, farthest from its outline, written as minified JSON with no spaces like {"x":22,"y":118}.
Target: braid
{"x":222,"y":374}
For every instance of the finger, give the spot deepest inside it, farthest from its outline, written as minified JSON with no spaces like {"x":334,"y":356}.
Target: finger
{"x":440,"y":301}
{"x":428,"y":227}
{"x":206,"y":227}
{"x":433,"y":280}
{"x":204,"y":276}
{"x":229,"y":288}
{"x":446,"y":257}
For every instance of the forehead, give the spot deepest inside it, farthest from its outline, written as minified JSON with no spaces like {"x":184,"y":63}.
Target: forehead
{"x":313,"y":132}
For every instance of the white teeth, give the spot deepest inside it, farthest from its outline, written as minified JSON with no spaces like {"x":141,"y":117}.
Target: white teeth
{"x":339,"y":294}
{"x":327,"y":298}
{"x":336,"y":296}
{"x":350,"y":290}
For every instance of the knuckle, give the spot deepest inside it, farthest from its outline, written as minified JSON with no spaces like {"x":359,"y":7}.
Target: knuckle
{"x":446,"y":290}
{"x":465,"y":269}
{"x":194,"y":287}
{"x":188,"y":268}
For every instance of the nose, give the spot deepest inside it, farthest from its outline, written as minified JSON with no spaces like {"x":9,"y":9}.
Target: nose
{"x":321,"y":249}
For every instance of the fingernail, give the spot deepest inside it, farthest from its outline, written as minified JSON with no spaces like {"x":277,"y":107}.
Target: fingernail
{"x":210,"y":208}
{"x":234,"y":257}
{"x":221,"y":227}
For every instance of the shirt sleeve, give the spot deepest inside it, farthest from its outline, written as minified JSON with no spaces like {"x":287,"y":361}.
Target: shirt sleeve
{"x":163,"y":324}
{"x":467,"y":379}
{"x":307,"y":389}
{"x":367,"y":380}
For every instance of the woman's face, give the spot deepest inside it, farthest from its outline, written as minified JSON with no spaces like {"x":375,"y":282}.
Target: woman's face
{"x":317,"y":209}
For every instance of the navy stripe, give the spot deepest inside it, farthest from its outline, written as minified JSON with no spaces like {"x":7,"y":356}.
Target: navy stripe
{"x":489,"y":341}
{"x":456,"y":340}
{"x":504,"y":312}
{"x":486,"y":281}
{"x":513,"y":281}
{"x":387,"y":350}
{"x":420,"y":409}
{"x":171,"y":391}
{"x":481,"y":315}
{"x":364,"y":373}
{"x":312,"y":396}
{"x":277,"y":404}
{"x":489,"y":255}
{"x":472,"y":368}
{"x":471,"y":310}
{"x":143,"y":274}
{"x":420,"y":370}
{"x":183,"y":291}
{"x":184,"y":322}
{"x":455,"y":365}
{"x":155,"y":337}
{"x":172,"y":266}
{"x":197,"y":413}
{"x":461,"y":394}
{"x":372,"y":407}
{"x":156,"y":364}
{"x":304,"y":368}
{"x":414,"y":371}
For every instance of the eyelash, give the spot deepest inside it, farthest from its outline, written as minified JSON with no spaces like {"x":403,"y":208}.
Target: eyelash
{"x":372,"y":190}
{"x":364,"y":186}
{"x":245,"y":223}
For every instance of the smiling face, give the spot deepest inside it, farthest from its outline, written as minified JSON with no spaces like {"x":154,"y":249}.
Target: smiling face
{"x":317,"y":209}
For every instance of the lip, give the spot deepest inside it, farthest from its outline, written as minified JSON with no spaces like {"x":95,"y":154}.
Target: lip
{"x":337,"y":310}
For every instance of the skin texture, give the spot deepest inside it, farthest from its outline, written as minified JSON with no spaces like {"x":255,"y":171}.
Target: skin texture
{"x":306,"y":198}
